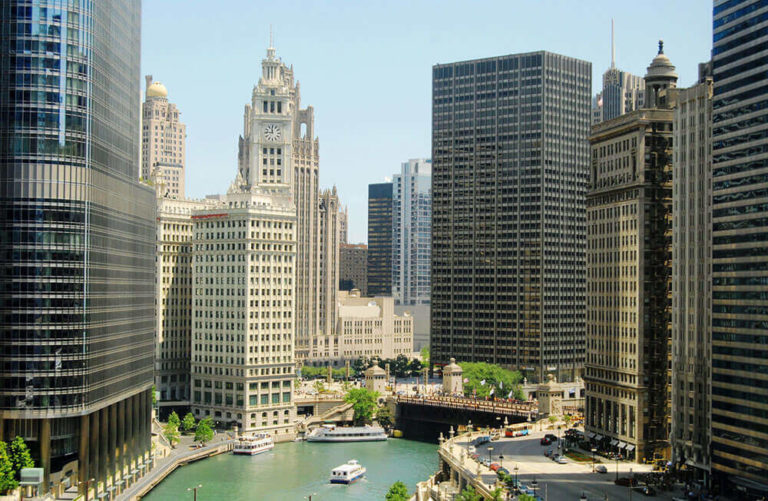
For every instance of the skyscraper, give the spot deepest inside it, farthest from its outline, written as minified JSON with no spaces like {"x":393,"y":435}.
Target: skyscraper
{"x":510,"y":162}
{"x":278,"y":147}
{"x":353,"y":263}
{"x":78,"y":238}
{"x":411,"y":232}
{"x":692,"y":277}
{"x":380,"y":239}
{"x":163,"y":139}
{"x":739,"y":251}
{"x":328,"y":261}
{"x":629,"y":209}
{"x":622,"y":91}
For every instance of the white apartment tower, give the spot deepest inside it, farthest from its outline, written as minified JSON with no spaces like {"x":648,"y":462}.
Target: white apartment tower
{"x":162,"y":139}
{"x":278,"y":147}
{"x":243,"y":313}
{"x":411,"y":232}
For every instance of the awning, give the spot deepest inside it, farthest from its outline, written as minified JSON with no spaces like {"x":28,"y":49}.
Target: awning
{"x":598,"y":437}
{"x":614,"y":442}
{"x":590,"y":434}
{"x":630,"y":448}
{"x":622,"y":445}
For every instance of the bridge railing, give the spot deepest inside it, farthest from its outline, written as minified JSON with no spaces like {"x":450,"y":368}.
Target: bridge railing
{"x":513,"y":408}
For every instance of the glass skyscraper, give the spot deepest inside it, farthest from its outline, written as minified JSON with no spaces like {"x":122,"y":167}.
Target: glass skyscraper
{"x":77,"y":240}
{"x":510,"y":166}
{"x":379,"y":239}
{"x":740,"y":247}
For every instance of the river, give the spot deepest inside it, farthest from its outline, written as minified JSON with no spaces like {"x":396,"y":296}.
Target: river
{"x":294,"y":470}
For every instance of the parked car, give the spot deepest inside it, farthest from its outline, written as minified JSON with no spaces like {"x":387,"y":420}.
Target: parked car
{"x":554,"y":456}
{"x":562,"y":460}
{"x":545,"y":441}
{"x":551,"y":437}
{"x":601,"y":468}
{"x":548,"y":453}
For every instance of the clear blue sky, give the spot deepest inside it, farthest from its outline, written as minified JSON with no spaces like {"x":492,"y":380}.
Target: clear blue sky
{"x":365,"y":66}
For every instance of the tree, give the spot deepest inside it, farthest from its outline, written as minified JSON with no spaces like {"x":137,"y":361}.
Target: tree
{"x":7,"y":475}
{"x":363,"y":403}
{"x":20,"y":456}
{"x":384,"y":417}
{"x":567,"y":418}
{"x":415,"y":367}
{"x":525,"y":497}
{"x":469,"y":494}
{"x":171,"y":434}
{"x":553,"y":420}
{"x":204,"y":432}
{"x":188,"y":423}
{"x":174,"y":419}
{"x":425,"y":356}
{"x":502,"y":380}
{"x":154,"y":396}
{"x":496,"y":495}
{"x":397,"y":492}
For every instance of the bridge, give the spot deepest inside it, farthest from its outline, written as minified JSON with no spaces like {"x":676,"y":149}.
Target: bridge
{"x":426,"y":417}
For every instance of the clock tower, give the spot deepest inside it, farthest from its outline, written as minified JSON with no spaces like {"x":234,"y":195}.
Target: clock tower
{"x":266,"y":148}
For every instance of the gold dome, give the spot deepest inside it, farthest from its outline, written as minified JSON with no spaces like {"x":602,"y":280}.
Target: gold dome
{"x":157,"y":90}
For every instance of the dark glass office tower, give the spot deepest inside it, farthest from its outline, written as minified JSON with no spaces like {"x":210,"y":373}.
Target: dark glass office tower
{"x":510,"y":165}
{"x":380,"y":239}
{"x":76,"y":240}
{"x":740,"y":248}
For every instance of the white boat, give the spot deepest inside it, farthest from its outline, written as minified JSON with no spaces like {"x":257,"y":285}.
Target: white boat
{"x":329,"y":433}
{"x":347,"y":473}
{"x":250,"y":445}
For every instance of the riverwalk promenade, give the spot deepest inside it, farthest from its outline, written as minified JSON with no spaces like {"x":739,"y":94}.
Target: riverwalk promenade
{"x":181,"y":455}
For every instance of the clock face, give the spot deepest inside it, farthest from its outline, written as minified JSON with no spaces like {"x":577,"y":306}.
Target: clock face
{"x":272,"y":132}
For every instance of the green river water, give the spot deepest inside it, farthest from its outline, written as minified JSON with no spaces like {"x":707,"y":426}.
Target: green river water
{"x":292,"y":471}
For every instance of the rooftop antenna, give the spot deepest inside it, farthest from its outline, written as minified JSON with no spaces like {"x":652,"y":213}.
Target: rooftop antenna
{"x":613,"y":47}
{"x":271,"y":37}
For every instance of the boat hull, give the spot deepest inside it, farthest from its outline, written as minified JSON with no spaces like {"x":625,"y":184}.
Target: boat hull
{"x":252,"y":452}
{"x":346,"y":439}
{"x":347,"y":481}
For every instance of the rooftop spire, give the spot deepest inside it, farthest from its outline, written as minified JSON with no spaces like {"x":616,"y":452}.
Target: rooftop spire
{"x":271,"y":48}
{"x":613,"y":47}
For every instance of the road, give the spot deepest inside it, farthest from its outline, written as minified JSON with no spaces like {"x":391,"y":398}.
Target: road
{"x":563,"y":482}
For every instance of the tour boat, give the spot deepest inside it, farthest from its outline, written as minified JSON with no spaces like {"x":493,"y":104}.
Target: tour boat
{"x":348,"y":434}
{"x":347,"y":473}
{"x":250,"y":445}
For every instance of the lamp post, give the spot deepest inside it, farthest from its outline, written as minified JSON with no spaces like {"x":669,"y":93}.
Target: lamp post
{"x":534,"y":485}
{"x":194,"y":490}
{"x":87,"y":486}
{"x":593,"y":458}
{"x":631,"y":478}
{"x":490,"y":449}
{"x":516,"y":484}
{"x":501,"y":460}
{"x":617,"y":467}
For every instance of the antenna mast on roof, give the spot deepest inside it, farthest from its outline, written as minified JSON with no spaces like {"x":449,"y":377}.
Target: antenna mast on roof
{"x":613,"y":47}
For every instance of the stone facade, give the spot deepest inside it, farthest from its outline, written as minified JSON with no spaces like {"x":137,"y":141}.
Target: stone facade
{"x":163,"y":139}
{"x":366,"y":327}
{"x":692,"y":276}
{"x":629,"y":211}
{"x":244,"y":266}
{"x":278,"y":147}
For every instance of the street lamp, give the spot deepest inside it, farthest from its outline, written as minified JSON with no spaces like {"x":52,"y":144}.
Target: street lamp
{"x":489,"y":455}
{"x":501,"y":460}
{"x":617,"y":466}
{"x":631,"y":477}
{"x":534,"y":485}
{"x":87,"y":486}
{"x":516,"y":484}
{"x":594,"y":449}
{"x":194,"y":490}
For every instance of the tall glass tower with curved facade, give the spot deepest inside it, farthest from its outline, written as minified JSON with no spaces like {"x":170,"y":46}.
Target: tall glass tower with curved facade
{"x":76,"y":241}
